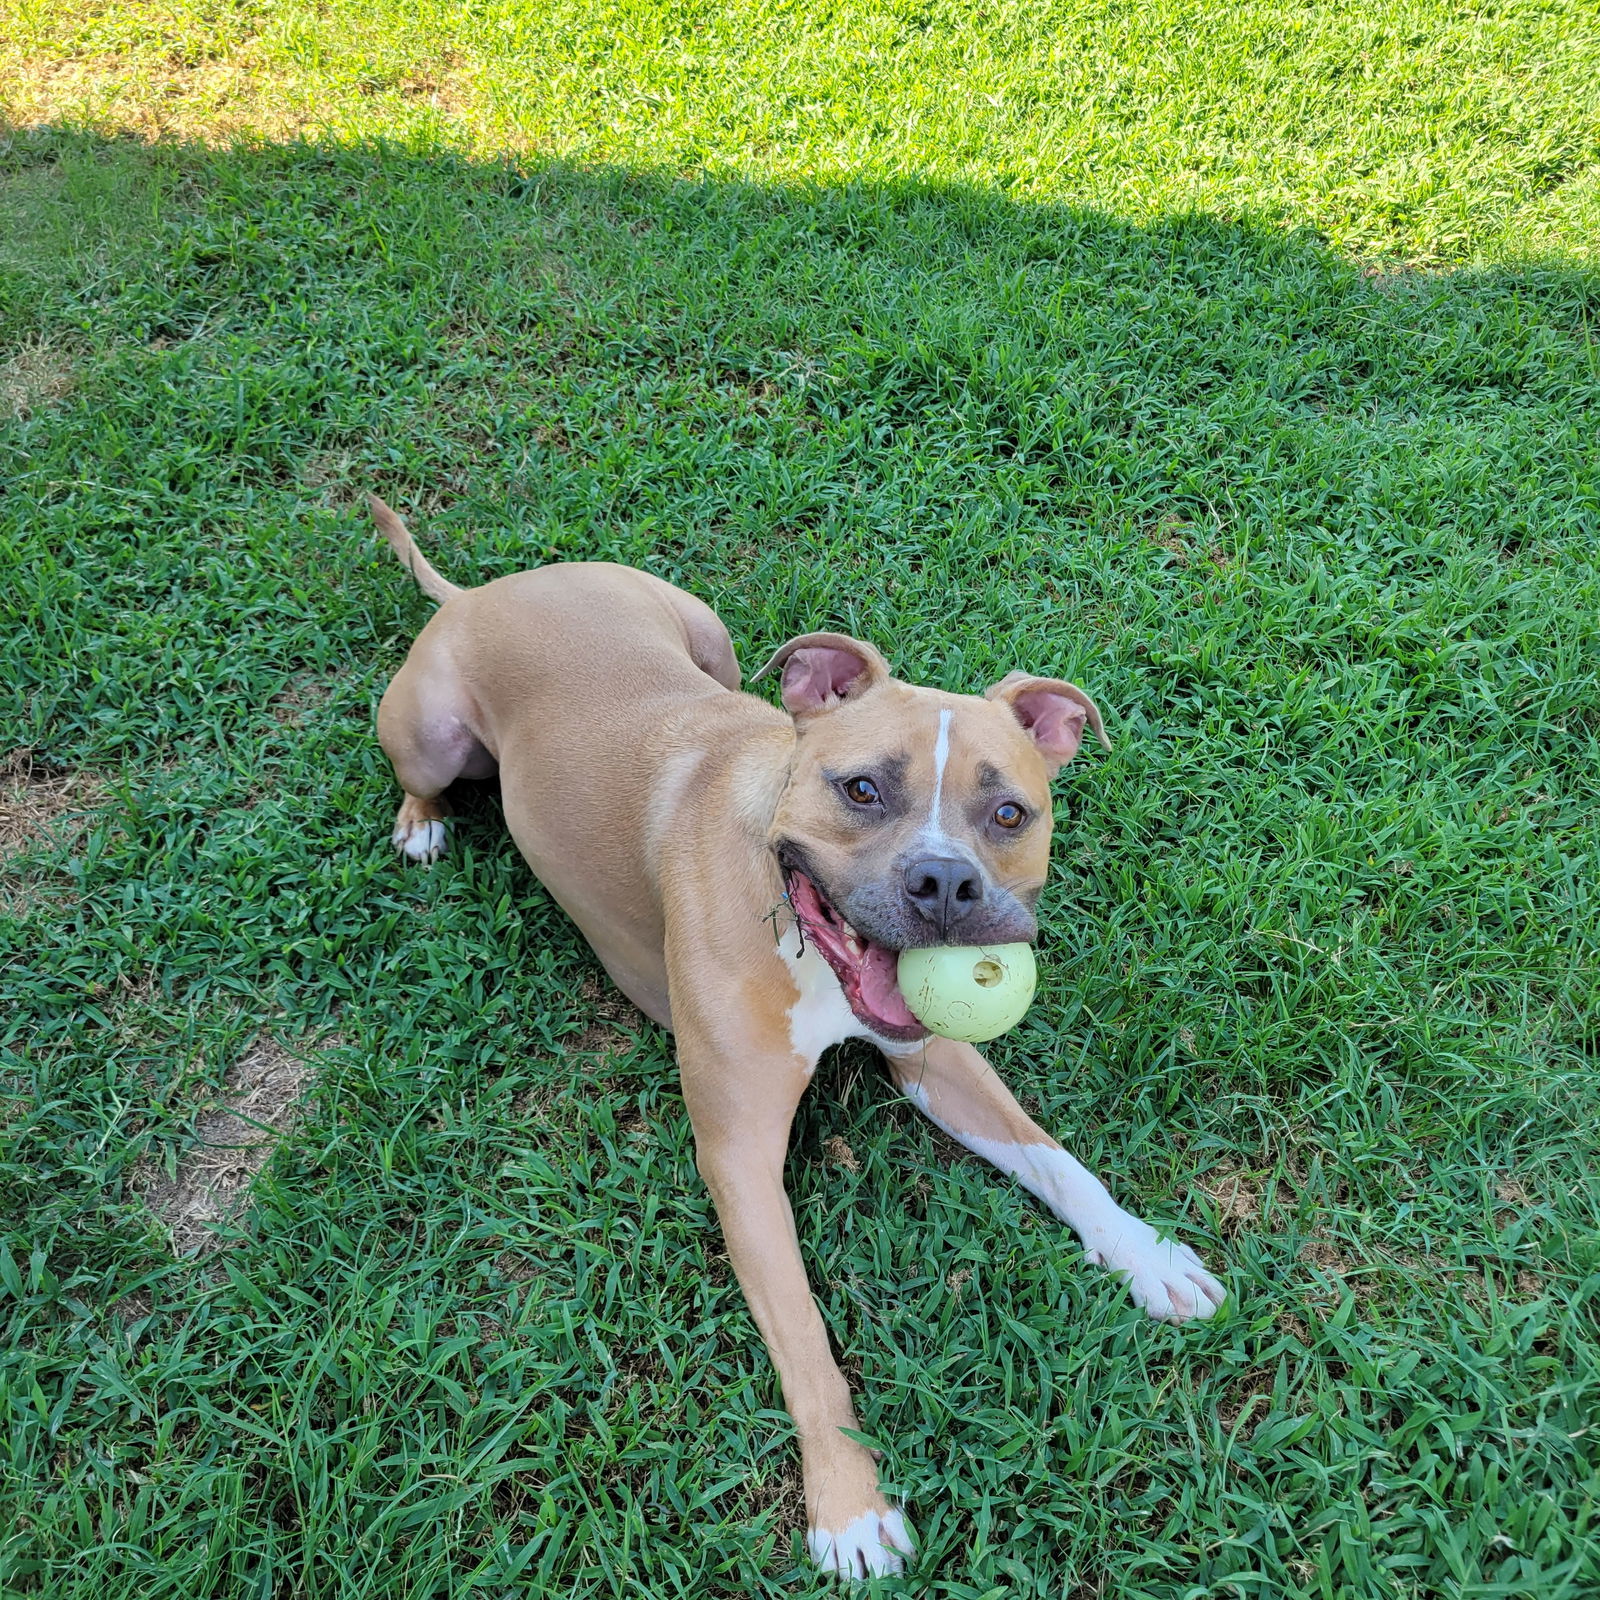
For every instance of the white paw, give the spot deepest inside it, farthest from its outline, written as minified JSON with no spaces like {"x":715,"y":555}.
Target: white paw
{"x":1165,"y":1278}
{"x":869,"y":1546}
{"x":419,"y":841}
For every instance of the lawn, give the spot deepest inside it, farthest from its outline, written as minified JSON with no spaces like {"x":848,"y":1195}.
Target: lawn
{"x":1241,"y":364}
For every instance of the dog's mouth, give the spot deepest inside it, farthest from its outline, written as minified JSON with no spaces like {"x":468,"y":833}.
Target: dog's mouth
{"x":866,"y":970}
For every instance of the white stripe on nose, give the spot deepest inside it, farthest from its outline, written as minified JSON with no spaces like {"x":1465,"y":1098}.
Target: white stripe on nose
{"x":941,"y":754}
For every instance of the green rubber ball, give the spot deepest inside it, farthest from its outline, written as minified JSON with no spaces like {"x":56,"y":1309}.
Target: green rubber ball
{"x":969,"y":992}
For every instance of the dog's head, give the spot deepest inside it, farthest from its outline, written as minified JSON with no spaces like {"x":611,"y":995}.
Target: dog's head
{"x":914,"y":817}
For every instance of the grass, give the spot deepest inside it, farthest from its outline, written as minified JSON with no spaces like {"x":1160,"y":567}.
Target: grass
{"x":1258,"y":395}
{"x":1432,"y":130}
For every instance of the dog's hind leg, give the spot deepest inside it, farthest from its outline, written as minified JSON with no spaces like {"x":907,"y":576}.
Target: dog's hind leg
{"x":425,"y":725}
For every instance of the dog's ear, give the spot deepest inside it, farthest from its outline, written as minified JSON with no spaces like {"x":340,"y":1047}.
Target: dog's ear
{"x":821,"y":670}
{"x":1052,"y":713}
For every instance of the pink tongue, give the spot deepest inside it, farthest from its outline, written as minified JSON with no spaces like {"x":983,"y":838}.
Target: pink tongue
{"x":880,"y":989}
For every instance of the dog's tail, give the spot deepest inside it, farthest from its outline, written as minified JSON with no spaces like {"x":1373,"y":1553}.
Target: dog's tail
{"x":411,"y":558}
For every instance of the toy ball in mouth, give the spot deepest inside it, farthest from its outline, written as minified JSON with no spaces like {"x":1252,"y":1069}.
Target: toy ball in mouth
{"x":969,"y":992}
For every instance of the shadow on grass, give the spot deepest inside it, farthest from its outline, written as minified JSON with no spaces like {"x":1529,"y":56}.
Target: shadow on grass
{"x":1322,"y":935}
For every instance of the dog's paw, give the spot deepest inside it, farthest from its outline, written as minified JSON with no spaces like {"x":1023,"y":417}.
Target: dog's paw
{"x":418,"y":831}
{"x":1165,"y":1278}
{"x":873,"y":1545}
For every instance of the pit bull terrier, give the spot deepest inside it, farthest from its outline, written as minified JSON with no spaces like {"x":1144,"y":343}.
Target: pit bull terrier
{"x":668,"y":814}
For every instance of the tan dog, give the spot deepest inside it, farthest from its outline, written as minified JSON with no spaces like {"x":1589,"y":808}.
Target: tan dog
{"x":668,"y":814}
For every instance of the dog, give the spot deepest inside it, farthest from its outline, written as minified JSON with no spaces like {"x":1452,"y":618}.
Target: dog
{"x":668,"y":813}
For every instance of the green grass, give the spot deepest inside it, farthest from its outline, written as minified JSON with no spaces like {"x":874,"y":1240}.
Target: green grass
{"x":1433,"y":130}
{"x":1122,"y":397}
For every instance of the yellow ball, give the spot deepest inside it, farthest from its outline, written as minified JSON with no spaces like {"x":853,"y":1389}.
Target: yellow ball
{"x":969,"y":992}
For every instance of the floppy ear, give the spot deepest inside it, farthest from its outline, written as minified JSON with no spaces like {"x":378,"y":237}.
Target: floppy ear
{"x":1053,"y":714}
{"x":822,"y":669}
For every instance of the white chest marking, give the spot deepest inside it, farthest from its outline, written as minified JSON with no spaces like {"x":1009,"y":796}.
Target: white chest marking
{"x":820,"y":1015}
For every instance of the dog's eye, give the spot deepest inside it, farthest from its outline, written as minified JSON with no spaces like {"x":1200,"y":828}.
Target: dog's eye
{"x":1010,"y":815}
{"x":861,"y":792}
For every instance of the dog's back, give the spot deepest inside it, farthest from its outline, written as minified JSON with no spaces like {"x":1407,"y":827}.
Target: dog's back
{"x":568,"y":681}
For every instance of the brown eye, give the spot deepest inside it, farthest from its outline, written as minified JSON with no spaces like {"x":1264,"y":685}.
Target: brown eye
{"x":861,"y":792}
{"x":1009,"y":815}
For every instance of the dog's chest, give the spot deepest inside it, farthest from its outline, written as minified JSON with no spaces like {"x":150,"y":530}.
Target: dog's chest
{"x":820,"y":1016}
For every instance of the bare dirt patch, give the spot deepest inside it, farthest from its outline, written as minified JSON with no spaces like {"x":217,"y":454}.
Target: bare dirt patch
{"x":1241,"y":1397}
{"x":38,"y":798}
{"x":32,"y":377}
{"x":328,"y":469}
{"x":1236,"y":1196}
{"x":1167,"y":535}
{"x":295,"y":700}
{"x":778,"y":1488}
{"x":447,"y":84}
{"x":233,"y":1140}
{"x":598,"y":1039}
{"x":1324,"y":1256}
{"x":614,"y":1021}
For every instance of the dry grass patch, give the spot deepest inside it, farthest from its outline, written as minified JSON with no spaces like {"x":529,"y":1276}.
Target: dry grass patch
{"x":131,"y":93}
{"x":220,"y":91}
{"x":1236,"y":1196}
{"x":34,"y":376}
{"x":232,"y":1142}
{"x":615,"y":1021}
{"x":840,"y":1153}
{"x":37,"y":798}
{"x":298,"y":697}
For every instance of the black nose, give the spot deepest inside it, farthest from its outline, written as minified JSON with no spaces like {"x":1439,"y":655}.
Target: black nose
{"x":944,"y":889}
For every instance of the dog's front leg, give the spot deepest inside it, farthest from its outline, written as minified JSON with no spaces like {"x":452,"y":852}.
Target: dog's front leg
{"x":957,"y":1089}
{"x":741,"y":1112}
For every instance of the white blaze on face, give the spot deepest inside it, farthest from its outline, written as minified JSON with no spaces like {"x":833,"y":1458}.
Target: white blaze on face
{"x":933,"y":833}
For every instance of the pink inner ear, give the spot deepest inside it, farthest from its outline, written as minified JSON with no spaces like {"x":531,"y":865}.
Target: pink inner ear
{"x":1054,"y":722}
{"x":819,"y":676}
